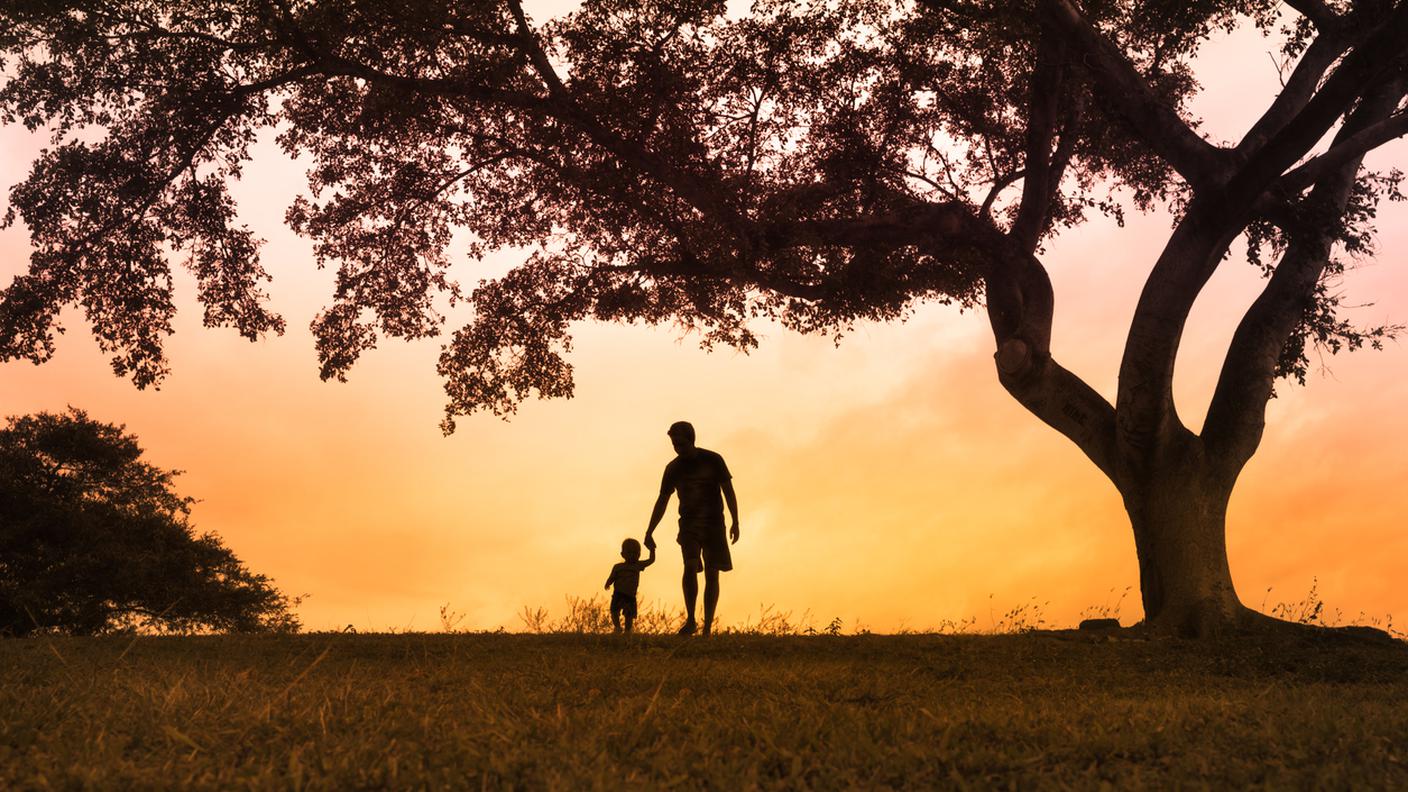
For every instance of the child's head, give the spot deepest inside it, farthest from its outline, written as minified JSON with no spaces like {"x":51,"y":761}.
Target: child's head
{"x":630,"y":550}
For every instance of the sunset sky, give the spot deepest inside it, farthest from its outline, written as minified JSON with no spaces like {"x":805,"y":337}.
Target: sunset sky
{"x":890,"y":482}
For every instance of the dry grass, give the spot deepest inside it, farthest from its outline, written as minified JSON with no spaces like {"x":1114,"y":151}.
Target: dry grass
{"x":737,"y":711}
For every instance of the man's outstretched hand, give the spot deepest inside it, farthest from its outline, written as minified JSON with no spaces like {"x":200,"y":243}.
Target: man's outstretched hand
{"x":733,"y":534}
{"x":649,"y":542}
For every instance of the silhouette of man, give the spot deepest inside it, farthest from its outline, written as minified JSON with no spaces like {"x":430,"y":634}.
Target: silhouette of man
{"x":698,"y":476}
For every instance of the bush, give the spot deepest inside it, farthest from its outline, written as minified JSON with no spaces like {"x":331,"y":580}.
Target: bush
{"x":94,"y":540}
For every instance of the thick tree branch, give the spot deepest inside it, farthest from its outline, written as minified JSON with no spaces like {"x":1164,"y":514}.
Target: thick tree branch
{"x":1324,"y":17}
{"x":1020,"y":308}
{"x":967,"y":10}
{"x":704,"y":197}
{"x":949,"y":223}
{"x":1349,"y":149}
{"x":946,"y":230}
{"x":1151,"y":118}
{"x":1299,"y":88}
{"x":1237,"y":414}
{"x":329,"y":63}
{"x":1018,"y":290}
{"x":1062,"y":401}
{"x":1042,"y":107}
{"x":1065,"y":148}
{"x":333,"y":65}
{"x":998,"y":185}
{"x":1147,"y":418}
{"x":1381,"y":53}
{"x":528,"y":43}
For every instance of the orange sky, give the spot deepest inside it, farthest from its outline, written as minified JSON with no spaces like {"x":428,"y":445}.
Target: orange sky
{"x":889,"y":482}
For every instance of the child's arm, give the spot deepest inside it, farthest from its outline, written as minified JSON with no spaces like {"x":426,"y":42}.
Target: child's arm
{"x":649,"y":560}
{"x":610,"y":578}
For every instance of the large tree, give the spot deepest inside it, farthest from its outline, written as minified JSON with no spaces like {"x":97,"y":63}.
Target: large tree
{"x":814,"y":164}
{"x":93,"y":539}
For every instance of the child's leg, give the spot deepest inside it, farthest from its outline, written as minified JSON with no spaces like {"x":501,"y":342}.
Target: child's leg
{"x":629,"y":612}
{"x":616,"y":618}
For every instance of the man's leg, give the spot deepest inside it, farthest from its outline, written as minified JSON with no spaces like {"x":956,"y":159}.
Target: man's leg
{"x":693,"y":562}
{"x":690,"y":584}
{"x":711,"y":596}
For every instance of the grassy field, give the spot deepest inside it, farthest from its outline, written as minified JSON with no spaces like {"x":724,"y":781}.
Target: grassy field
{"x":736,"y":711}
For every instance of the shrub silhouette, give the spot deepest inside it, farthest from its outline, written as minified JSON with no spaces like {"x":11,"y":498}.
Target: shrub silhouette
{"x":94,"y":540}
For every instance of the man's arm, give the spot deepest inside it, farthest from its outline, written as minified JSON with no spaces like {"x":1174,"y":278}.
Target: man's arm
{"x":732,"y":501}
{"x":656,"y":515}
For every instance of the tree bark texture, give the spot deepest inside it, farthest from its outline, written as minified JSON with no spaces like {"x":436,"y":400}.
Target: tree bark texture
{"x":1178,"y":511}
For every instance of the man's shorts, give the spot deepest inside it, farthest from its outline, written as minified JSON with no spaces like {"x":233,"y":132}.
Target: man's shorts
{"x":705,"y":547}
{"x":623,"y":603}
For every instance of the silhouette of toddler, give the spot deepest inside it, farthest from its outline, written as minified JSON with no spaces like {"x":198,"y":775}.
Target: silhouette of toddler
{"x":626,"y":577}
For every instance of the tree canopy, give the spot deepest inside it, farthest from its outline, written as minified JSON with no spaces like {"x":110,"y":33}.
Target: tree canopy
{"x":95,"y":540}
{"x":812,"y":163}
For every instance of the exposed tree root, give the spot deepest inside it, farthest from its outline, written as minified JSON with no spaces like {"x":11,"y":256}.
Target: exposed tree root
{"x":1243,"y":624}
{"x":1256,"y":623}
{"x":1250,"y":625}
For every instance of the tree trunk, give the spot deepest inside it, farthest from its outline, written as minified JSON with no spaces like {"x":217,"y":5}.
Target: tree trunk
{"x":1178,"y":512}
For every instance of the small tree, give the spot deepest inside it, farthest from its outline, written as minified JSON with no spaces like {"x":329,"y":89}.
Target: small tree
{"x":94,"y":540}
{"x":817,"y":164}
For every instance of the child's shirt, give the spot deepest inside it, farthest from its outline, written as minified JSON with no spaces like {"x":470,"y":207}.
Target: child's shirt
{"x":626,"y":576}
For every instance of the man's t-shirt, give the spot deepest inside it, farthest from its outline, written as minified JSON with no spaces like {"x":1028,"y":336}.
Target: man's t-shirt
{"x":697,"y":479}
